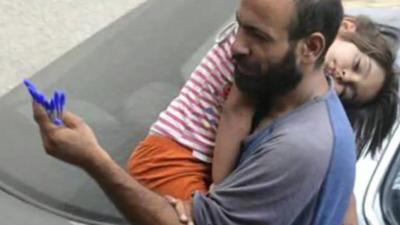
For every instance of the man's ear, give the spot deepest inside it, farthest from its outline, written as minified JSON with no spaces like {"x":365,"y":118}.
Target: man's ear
{"x":312,"y":47}
{"x":349,"y":24}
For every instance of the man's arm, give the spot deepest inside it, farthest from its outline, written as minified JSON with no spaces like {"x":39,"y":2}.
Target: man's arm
{"x":75,"y":143}
{"x":234,"y":126}
{"x":137,"y":203}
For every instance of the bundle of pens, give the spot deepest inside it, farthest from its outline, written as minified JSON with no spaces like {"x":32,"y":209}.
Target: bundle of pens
{"x":54,"y":107}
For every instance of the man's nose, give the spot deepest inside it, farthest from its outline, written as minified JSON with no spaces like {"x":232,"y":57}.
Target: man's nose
{"x":239,"y":46}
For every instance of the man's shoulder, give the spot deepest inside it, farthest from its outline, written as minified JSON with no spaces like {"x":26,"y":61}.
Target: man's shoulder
{"x":309,"y":133}
{"x":308,"y":128}
{"x":308,"y":145}
{"x":322,"y":123}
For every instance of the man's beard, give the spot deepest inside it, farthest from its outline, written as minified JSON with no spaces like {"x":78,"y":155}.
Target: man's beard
{"x":264,"y":86}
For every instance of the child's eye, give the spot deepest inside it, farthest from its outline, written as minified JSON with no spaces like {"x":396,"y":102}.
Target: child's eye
{"x":357,"y":64}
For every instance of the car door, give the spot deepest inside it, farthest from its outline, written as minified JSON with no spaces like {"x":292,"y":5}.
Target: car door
{"x":379,"y":203}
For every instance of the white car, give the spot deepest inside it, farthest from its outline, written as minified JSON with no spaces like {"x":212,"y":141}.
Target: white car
{"x":377,"y":187}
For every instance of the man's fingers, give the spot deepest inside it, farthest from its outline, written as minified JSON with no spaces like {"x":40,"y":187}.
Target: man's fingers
{"x":41,"y":117}
{"x":71,"y":120}
{"x":180,"y":208}
{"x":188,"y":212}
{"x":171,"y":200}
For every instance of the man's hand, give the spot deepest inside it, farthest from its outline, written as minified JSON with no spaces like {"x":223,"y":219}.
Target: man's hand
{"x":183,"y":209}
{"x":74,"y":143}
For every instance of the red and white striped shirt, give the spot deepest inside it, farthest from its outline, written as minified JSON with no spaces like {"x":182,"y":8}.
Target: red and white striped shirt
{"x":192,"y":117}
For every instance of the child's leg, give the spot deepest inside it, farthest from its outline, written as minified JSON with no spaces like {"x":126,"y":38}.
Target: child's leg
{"x":168,"y":168}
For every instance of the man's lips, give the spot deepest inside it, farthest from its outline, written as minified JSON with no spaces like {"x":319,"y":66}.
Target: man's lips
{"x":244,"y":70}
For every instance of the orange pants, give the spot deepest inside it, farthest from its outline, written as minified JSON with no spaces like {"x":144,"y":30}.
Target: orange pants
{"x":168,"y":168}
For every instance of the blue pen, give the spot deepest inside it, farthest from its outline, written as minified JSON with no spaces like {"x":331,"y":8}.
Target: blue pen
{"x":36,"y":95}
{"x":29,"y":84}
{"x":62,"y":101}
{"x":61,"y":104}
{"x":57,"y":119}
{"x":59,"y":100}
{"x":54,"y":107}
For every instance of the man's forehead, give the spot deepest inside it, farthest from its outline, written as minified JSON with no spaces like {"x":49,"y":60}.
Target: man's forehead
{"x":266,"y":13}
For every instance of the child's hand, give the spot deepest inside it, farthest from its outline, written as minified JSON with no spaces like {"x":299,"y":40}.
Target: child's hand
{"x":238,"y":110}
{"x":239,"y":103}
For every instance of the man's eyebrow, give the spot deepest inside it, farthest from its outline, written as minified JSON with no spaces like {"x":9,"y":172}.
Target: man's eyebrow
{"x":253,"y":28}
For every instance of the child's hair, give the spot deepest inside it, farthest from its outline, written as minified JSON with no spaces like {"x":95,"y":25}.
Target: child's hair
{"x":373,"y":121}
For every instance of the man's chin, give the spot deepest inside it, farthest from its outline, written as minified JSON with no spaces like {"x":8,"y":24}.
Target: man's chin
{"x":249,"y":84}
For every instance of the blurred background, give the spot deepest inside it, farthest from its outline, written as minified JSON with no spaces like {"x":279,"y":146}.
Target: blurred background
{"x":33,"y":34}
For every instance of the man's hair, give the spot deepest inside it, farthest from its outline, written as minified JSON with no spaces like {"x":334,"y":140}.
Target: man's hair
{"x":324,"y":16}
{"x":373,"y":121}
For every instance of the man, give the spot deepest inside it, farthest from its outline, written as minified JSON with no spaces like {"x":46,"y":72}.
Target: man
{"x":297,"y":166}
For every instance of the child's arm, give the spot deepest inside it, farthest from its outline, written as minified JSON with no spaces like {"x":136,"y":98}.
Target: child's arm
{"x":351,"y":214}
{"x":234,"y":126}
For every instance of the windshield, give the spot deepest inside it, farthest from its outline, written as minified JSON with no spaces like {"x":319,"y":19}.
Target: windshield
{"x":118,"y":81}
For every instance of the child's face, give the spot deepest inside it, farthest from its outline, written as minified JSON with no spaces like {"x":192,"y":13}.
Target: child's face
{"x":358,"y":77}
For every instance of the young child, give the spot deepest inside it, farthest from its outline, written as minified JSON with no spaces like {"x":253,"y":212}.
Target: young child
{"x":175,"y":158}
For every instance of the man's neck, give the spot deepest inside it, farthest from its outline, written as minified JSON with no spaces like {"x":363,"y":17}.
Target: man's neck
{"x":313,"y":84}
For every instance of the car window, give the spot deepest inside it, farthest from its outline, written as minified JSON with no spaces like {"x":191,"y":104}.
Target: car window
{"x":118,"y":81}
